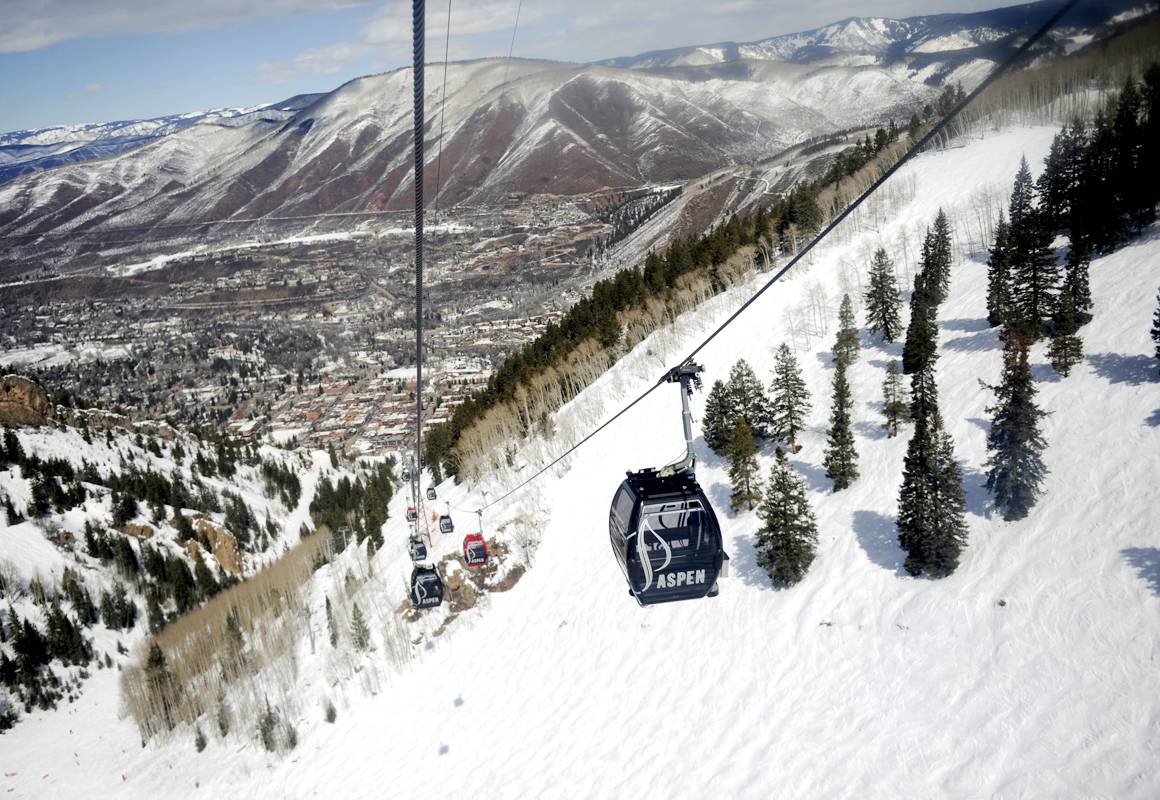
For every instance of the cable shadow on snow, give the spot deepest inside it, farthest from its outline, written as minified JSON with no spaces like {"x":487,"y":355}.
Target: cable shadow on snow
{"x":878,"y":538}
{"x":1119,"y":368}
{"x":1146,"y":562}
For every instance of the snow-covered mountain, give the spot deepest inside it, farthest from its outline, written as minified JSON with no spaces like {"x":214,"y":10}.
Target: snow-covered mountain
{"x":1030,"y":671}
{"x":877,"y":39}
{"x":552,"y":127}
{"x":29,"y":151}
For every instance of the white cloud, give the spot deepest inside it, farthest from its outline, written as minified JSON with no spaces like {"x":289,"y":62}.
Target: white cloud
{"x":328,"y":60}
{"x":93,"y":88}
{"x":35,"y":24}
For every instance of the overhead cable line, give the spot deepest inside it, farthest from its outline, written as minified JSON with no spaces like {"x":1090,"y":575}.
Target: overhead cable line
{"x":512,"y":46}
{"x":914,"y":150}
{"x":442,"y":109}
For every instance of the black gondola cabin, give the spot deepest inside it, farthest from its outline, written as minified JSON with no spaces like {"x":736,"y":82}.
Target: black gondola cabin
{"x":666,"y":537}
{"x":418,"y":548}
{"x":446,"y":525}
{"x":431,"y":493}
{"x":426,"y":587}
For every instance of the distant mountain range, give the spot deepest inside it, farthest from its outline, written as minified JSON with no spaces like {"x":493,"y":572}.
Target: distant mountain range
{"x":551,"y":128}
{"x":24,"y":152}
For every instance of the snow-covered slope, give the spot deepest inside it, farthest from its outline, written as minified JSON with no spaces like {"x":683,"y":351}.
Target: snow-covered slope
{"x":1030,"y":672}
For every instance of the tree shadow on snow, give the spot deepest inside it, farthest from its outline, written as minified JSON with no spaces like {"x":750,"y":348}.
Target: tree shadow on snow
{"x":1045,"y":373}
{"x":965,"y":325}
{"x":982,"y":424}
{"x":878,"y":537}
{"x":870,"y":430}
{"x":815,"y":476}
{"x":1154,"y":420}
{"x":978,"y":499}
{"x":743,"y":560}
{"x":1146,"y":561}
{"x":986,"y":339}
{"x":825,"y":358}
{"x":1119,"y":368}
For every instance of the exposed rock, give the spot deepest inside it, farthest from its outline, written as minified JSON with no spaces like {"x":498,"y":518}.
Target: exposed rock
{"x":138,"y":531}
{"x":222,"y":544}
{"x":23,"y":402}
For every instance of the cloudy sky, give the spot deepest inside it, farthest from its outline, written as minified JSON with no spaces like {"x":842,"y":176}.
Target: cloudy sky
{"x":69,"y":61}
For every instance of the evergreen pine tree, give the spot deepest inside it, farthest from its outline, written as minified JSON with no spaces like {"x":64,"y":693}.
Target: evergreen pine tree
{"x":747,"y":399}
{"x":847,"y":346}
{"x":1015,"y":469}
{"x":1034,"y":276}
{"x":716,"y":424}
{"x":154,"y":613}
{"x":937,"y":258}
{"x":921,"y":346}
{"x":743,"y":469}
{"x":841,"y":459}
{"x":999,"y":276}
{"x":788,"y":538}
{"x":1156,"y":325}
{"x":931,"y":503}
{"x":789,"y":397}
{"x":1132,"y":207}
{"x":894,"y":401}
{"x":360,"y":634}
{"x":1066,"y":349}
{"x":1075,"y":282}
{"x":331,"y":627}
{"x":883,"y":302}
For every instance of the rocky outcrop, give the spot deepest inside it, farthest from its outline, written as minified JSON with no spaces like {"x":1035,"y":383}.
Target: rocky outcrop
{"x":23,"y":402}
{"x":222,"y":544}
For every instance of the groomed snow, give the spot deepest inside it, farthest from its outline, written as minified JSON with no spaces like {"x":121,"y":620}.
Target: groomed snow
{"x":859,"y":682}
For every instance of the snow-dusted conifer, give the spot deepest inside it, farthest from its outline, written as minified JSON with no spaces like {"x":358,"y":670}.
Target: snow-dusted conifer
{"x":1015,"y":469}
{"x":788,"y":538}
{"x":789,"y":397}
{"x":847,"y":346}
{"x":743,"y":469}
{"x":841,"y":459}
{"x":883,"y":302}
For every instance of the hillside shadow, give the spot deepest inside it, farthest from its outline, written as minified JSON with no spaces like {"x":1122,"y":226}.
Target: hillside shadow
{"x":1154,"y":420}
{"x":869,"y":430}
{"x":1119,"y":368}
{"x":1146,"y":562}
{"x":975,"y":342}
{"x":965,"y":325}
{"x":1045,"y":373}
{"x":878,"y":538}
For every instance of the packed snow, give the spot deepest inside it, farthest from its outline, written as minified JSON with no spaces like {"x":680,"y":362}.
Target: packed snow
{"x":1030,"y":672}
